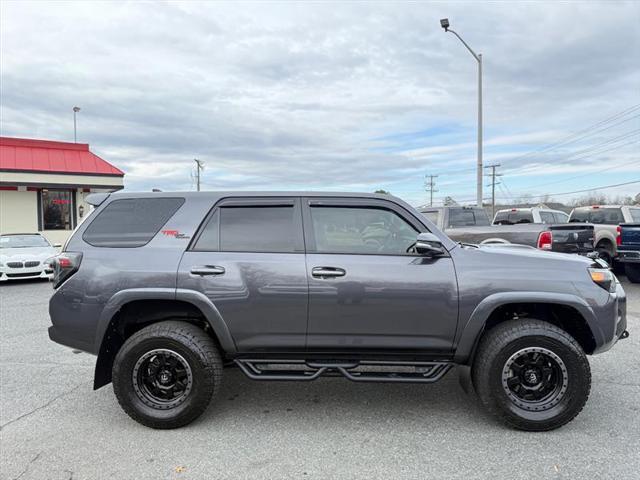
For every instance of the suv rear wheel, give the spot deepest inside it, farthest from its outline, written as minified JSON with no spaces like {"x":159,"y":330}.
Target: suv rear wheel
{"x":165,"y":375}
{"x":531,"y":375}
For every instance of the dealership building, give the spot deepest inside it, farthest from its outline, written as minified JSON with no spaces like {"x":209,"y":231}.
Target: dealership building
{"x":43,"y":185}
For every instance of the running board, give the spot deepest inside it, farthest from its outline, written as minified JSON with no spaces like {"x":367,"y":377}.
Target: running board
{"x":356,"y":371}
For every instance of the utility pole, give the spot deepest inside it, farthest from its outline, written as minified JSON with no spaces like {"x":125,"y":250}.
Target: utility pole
{"x":429,"y":186}
{"x":493,"y":184}
{"x":75,"y":129}
{"x":199,"y":168}
{"x":444,"y":23}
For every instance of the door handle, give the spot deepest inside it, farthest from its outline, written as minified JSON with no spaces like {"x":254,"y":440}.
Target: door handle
{"x":328,"y":272}
{"x":208,"y":270}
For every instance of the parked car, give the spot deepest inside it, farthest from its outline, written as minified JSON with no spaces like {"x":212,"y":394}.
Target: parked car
{"x":606,"y":219}
{"x":629,"y":250}
{"x":472,"y":225}
{"x":25,"y":255}
{"x":513,"y":216}
{"x":167,"y":288}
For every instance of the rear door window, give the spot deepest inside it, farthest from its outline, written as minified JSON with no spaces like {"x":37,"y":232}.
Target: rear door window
{"x":259,"y":229}
{"x":130,"y":222}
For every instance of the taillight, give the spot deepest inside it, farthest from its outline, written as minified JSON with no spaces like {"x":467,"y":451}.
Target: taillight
{"x":545,"y":240}
{"x":619,"y":235}
{"x":65,"y":265}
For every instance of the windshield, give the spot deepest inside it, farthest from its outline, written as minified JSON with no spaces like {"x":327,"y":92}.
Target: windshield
{"x":468,"y":217}
{"x":606,"y":216}
{"x":23,"y":241}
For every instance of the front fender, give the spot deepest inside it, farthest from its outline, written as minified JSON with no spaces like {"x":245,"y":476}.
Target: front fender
{"x":474,"y":327}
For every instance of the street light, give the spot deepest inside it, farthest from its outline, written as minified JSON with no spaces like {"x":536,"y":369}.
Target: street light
{"x":75,"y":133}
{"x":444,"y":23}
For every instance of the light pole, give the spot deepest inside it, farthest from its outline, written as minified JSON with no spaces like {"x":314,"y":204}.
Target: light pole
{"x":444,"y":23}
{"x":75,"y":130}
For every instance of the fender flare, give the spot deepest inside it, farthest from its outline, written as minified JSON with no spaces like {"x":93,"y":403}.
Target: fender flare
{"x":473,"y":329}
{"x":197,"y":299}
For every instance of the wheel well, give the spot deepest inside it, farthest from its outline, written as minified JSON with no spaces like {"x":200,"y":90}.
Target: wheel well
{"x":605,"y":243}
{"x":136,"y":315}
{"x":562,"y":316}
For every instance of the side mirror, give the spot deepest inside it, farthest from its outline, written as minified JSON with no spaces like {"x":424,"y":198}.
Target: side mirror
{"x":429,"y":245}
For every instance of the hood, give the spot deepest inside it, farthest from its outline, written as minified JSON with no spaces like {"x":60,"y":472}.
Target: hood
{"x":514,"y":253}
{"x":27,"y":253}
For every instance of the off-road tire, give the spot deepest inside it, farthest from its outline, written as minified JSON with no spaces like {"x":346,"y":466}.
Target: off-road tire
{"x":632,"y":271}
{"x":500,"y":343}
{"x":189,"y":342}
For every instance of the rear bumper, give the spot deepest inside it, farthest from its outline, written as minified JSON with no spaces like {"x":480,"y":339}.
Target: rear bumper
{"x":67,"y":339}
{"x":628,"y":256}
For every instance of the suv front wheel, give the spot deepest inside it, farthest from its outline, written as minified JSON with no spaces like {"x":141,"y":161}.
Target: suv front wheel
{"x":531,"y":375}
{"x":165,"y":375}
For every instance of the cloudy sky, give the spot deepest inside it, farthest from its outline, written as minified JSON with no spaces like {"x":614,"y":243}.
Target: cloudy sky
{"x":332,"y":96}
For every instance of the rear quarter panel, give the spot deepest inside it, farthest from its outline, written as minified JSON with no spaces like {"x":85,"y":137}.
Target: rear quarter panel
{"x":79,"y":304}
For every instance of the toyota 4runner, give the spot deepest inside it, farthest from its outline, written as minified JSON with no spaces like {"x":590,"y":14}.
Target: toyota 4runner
{"x":168,"y":288}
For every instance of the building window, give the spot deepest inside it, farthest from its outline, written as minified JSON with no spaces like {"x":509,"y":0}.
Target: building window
{"x":57,"y":209}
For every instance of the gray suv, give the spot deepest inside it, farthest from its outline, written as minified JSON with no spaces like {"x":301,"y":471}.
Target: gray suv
{"x":167,"y":289}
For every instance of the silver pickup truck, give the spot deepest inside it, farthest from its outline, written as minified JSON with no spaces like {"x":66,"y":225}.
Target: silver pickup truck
{"x":472,"y":225}
{"x":606,"y":220}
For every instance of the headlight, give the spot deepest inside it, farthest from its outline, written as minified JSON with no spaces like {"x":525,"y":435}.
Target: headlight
{"x":603,"y":278}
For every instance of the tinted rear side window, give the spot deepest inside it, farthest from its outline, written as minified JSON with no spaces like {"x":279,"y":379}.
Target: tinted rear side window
{"x":635,"y":214}
{"x":131,"y":222}
{"x":258,"y":229}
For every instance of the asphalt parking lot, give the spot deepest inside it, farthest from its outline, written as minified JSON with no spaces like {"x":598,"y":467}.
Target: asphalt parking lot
{"x":54,"y":426}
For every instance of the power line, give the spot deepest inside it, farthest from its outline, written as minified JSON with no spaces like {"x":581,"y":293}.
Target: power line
{"x":585,"y":153}
{"x":582,"y":133}
{"x":607,"y":169}
{"x":558,"y":194}
{"x":602,"y":187}
{"x":579,"y":135}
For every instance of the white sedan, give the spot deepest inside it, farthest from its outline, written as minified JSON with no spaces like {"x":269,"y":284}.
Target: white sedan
{"x":25,"y":255}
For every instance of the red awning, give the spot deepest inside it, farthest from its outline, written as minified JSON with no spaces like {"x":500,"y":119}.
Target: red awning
{"x":44,"y":156}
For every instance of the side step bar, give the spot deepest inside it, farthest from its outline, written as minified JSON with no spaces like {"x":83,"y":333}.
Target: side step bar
{"x":356,"y":371}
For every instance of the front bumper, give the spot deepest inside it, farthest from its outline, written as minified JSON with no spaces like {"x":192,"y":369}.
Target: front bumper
{"x":7,"y":274}
{"x":618,"y":328}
